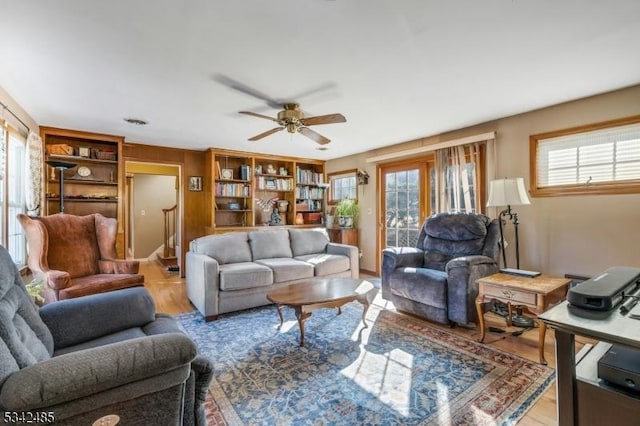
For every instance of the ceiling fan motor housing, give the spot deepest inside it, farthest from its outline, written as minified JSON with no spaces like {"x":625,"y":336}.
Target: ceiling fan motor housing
{"x":290,"y":117}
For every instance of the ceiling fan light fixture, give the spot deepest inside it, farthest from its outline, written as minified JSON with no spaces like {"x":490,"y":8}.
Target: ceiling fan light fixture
{"x":292,"y":127}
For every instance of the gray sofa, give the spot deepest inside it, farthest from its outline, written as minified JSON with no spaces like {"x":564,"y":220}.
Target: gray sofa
{"x":437,"y":278}
{"x":76,"y":361}
{"x":235,"y":271}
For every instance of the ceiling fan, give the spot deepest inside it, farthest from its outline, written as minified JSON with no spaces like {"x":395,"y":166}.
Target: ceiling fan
{"x":293,"y":120}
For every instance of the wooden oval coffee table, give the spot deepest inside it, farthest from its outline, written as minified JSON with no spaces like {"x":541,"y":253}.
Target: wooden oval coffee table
{"x":319,"y":293}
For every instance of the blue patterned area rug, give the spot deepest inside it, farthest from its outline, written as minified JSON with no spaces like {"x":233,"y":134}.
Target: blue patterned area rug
{"x":398,"y":371}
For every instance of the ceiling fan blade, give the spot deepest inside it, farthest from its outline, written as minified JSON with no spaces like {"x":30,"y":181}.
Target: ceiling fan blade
{"x":265,"y":134}
{"x":323,"y":119}
{"x":259,"y":115}
{"x":315,"y":136}
{"x":243,"y":88}
{"x":320,"y":88}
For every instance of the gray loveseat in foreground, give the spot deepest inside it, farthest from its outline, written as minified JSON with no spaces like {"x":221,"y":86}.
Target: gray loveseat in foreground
{"x":235,"y":271}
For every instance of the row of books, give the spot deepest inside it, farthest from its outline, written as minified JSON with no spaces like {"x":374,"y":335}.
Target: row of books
{"x":308,"y":177}
{"x":233,"y":190}
{"x":309,"y":192}
{"x":275,"y":184}
{"x":308,"y":205}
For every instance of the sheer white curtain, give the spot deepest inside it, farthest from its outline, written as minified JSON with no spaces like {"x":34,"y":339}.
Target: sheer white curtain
{"x":33,"y":181}
{"x":456,"y":177}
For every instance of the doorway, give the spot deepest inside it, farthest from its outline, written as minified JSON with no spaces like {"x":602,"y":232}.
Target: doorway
{"x":151,"y":190}
{"x":403,"y":203}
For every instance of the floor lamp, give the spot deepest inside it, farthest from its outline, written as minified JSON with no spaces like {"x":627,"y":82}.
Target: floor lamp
{"x":510,"y":192}
{"x":61,"y":166}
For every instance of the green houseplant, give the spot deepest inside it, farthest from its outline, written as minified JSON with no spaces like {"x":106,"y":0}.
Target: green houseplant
{"x":34,"y":288}
{"x":347,"y":212}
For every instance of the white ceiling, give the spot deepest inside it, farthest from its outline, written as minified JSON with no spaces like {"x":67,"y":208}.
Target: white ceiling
{"x":397,"y":70}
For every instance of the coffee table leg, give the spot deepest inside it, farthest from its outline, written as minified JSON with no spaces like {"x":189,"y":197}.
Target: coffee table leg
{"x":480,"y":312}
{"x":279,"y":308}
{"x":543,"y":332}
{"x":364,"y":300}
{"x":302,"y":317}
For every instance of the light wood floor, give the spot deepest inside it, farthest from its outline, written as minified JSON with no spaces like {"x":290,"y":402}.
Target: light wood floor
{"x":169,"y":293}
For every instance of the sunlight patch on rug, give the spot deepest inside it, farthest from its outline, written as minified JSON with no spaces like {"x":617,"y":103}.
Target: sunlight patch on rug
{"x":399,"y":370}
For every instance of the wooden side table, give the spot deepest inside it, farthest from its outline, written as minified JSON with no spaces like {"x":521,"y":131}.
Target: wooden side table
{"x":536,"y":294}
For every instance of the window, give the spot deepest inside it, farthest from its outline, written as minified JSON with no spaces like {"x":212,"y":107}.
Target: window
{"x":343,"y":185}
{"x":12,"y":192}
{"x":456,"y":179}
{"x":601,"y":158}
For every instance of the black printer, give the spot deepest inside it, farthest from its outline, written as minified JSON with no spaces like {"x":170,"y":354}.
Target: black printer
{"x":606,"y":290}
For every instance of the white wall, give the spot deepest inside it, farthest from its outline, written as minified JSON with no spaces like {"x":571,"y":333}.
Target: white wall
{"x":558,"y":235}
{"x":151,"y":194}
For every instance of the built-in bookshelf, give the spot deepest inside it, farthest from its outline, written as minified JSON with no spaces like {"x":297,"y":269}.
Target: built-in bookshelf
{"x":310,"y":191}
{"x":245,"y":189}
{"x":89,"y":164}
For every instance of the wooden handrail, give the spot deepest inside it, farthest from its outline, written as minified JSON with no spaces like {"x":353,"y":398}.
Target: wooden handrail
{"x":170,"y":222}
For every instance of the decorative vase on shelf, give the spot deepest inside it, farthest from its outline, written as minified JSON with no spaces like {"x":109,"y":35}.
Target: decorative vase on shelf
{"x":299,"y":219}
{"x":283,"y":206}
{"x":328,"y":221}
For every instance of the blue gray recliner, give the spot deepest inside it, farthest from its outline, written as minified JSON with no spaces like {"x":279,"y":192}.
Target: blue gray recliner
{"x":81,"y":359}
{"x":437,"y":278}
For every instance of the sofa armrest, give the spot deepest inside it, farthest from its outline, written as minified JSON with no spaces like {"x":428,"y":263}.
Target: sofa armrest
{"x":77,"y":320}
{"x":352,"y":252}
{"x":462,"y":289}
{"x":79,"y":374}
{"x":202,"y":278}
{"x":119,"y":266}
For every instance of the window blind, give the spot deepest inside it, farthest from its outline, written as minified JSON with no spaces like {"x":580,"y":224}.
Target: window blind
{"x":600,"y":156}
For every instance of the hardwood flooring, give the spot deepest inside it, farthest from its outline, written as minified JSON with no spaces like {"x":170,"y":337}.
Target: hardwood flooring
{"x":169,"y":293}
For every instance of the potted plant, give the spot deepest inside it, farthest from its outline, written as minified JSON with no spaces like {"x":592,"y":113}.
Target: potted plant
{"x":34,"y":288}
{"x":347,"y":212}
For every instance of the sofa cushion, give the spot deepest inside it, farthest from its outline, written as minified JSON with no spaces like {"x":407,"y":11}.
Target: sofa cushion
{"x":326,"y":264}
{"x":287,"y":269}
{"x":308,"y":241}
{"x":270,"y":244}
{"x":100,"y":283}
{"x":237,"y":276}
{"x":426,"y":286}
{"x":225,"y":248}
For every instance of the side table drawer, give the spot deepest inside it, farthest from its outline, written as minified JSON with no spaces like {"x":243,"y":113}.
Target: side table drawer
{"x":517,"y":296}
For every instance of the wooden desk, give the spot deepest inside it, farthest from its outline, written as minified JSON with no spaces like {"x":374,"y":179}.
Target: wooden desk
{"x":536,"y":294}
{"x":584,"y":399}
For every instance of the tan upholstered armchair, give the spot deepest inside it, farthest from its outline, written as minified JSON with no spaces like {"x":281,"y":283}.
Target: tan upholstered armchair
{"x":76,"y":255}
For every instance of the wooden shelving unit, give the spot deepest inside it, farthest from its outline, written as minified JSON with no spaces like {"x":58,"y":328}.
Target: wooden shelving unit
{"x":242,"y":183}
{"x":94,"y":184}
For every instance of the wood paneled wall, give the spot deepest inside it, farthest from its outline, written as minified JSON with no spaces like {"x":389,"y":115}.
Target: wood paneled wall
{"x":196,"y":210}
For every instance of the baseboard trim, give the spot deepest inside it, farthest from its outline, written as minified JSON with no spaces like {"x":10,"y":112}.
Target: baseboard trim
{"x":364,"y":271}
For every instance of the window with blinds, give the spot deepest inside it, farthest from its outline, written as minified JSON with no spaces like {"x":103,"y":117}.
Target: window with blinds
{"x":595,"y":159}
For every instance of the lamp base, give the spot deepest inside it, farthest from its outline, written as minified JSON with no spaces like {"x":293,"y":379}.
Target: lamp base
{"x":517,"y":319}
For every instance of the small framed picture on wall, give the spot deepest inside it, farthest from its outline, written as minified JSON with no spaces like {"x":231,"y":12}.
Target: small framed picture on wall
{"x":195,"y":183}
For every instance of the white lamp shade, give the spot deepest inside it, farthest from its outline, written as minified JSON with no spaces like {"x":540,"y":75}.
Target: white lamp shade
{"x":507,"y":192}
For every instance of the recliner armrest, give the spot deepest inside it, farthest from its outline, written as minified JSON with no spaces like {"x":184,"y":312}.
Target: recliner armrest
{"x":77,"y":320}
{"x":396,"y":257}
{"x":82,"y":373}
{"x":119,"y":266}
{"x":469,"y":261}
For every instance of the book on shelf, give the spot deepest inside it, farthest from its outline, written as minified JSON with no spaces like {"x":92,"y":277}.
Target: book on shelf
{"x":219,"y":170}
